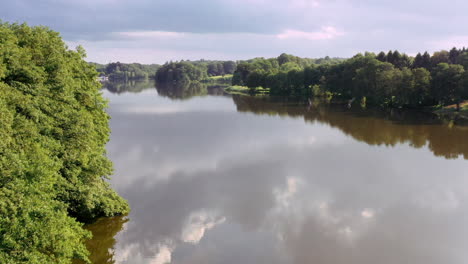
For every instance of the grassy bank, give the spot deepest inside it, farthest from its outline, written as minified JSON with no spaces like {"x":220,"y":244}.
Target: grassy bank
{"x":236,"y":89}
{"x":450,"y":112}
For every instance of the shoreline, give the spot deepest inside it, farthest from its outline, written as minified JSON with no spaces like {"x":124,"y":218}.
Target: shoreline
{"x":447,"y":113}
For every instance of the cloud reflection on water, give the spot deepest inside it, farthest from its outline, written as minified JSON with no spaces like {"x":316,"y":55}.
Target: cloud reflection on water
{"x":217,"y":186}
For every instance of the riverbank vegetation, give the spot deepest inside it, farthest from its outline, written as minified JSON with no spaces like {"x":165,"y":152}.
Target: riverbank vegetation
{"x":53,"y":131}
{"x":219,"y":79}
{"x":195,"y":71}
{"x":117,"y":71}
{"x":389,"y":79}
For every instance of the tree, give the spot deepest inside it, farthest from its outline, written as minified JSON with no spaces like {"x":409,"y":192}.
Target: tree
{"x":405,"y":62}
{"x":448,"y":83}
{"x":229,"y":67}
{"x":285,"y":58}
{"x":453,"y":55}
{"x":390,"y":57}
{"x":404,"y":87}
{"x":53,"y":130}
{"x":396,"y":59}
{"x":181,"y":72}
{"x":426,"y":61}
{"x":418,"y":61}
{"x":440,"y":57}
{"x":212,"y":69}
{"x":382,"y":56}
{"x":422,"y":84}
{"x":462,"y":59}
{"x":289,"y":66}
{"x":254,"y":80}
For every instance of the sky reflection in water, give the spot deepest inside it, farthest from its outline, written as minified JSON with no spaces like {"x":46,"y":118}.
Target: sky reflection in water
{"x":209,"y":184}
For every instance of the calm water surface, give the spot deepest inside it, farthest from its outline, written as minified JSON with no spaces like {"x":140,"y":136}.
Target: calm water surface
{"x":229,"y":179}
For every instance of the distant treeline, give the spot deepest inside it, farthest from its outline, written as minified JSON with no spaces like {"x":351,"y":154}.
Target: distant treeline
{"x":118,"y":71}
{"x":185,"y":71}
{"x":391,"y":79}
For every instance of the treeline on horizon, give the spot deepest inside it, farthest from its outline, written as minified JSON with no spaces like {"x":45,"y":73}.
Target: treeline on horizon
{"x":117,"y":71}
{"x":169,"y":72}
{"x":389,"y":79}
{"x":53,"y":131}
{"x":187,"y":71}
{"x":202,"y":70}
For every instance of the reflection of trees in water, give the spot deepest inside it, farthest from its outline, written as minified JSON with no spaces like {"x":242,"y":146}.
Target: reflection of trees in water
{"x":371,"y":126}
{"x":134,"y":86}
{"x":103,"y":242}
{"x":217,"y":89}
{"x":187,"y":90}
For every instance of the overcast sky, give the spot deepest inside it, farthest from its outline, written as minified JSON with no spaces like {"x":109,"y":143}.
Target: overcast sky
{"x":155,"y":31}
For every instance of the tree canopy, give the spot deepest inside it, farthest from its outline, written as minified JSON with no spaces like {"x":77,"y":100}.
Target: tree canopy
{"x":267,"y":67}
{"x":53,"y":130}
{"x":187,"y":71}
{"x":117,"y":71}
{"x":391,"y":79}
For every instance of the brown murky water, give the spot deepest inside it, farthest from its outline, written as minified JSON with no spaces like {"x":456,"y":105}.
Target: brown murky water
{"x":233,"y":179}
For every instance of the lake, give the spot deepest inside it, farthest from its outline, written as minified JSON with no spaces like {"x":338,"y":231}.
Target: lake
{"x":215,"y":178}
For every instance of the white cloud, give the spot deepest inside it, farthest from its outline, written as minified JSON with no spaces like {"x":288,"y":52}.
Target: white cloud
{"x":368,"y":213}
{"x":284,"y":196}
{"x":198,"y":224}
{"x":164,"y":255}
{"x":121,"y":255}
{"x":324,"y":34}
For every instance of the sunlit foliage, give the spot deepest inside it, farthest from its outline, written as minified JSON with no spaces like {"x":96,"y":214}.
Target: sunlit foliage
{"x":53,"y":131}
{"x":389,"y":79}
{"x":117,"y":71}
{"x":189,"y":71}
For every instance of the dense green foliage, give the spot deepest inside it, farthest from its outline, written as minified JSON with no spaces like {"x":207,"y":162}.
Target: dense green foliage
{"x":117,"y":71}
{"x":180,"y":72}
{"x":391,"y":79}
{"x":253,"y":72}
{"x":53,"y":131}
{"x":186,"y":71}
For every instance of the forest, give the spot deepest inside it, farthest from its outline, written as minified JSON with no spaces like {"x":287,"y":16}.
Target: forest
{"x":53,"y":166}
{"x":117,"y":71}
{"x":388,"y":79}
{"x":186,"y":71}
